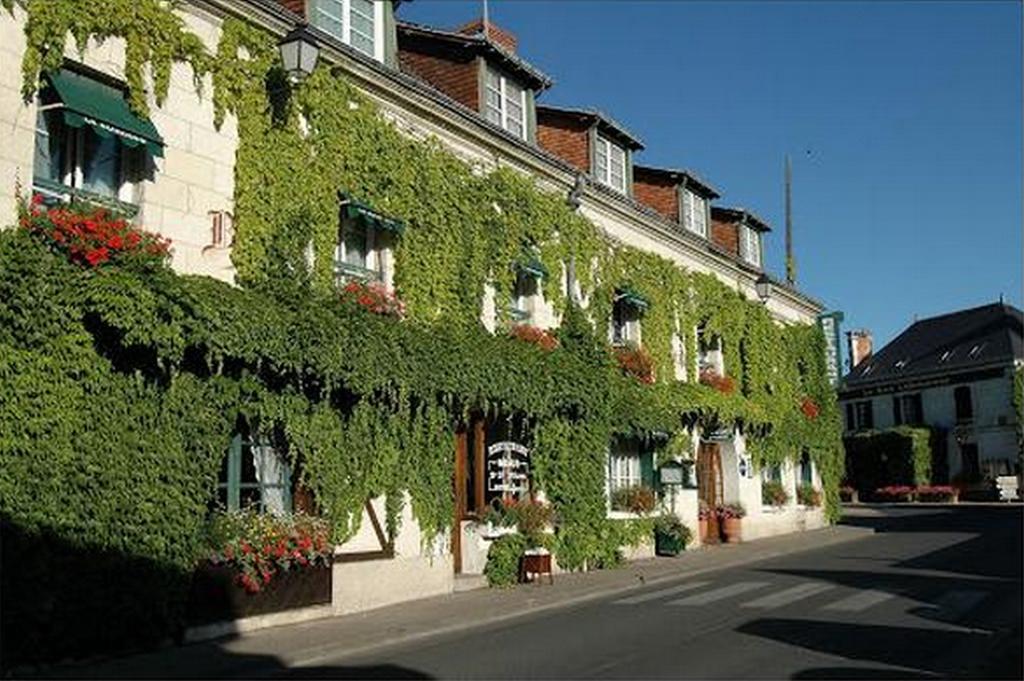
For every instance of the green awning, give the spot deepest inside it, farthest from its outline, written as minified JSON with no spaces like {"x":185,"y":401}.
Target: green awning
{"x":102,"y":107}
{"x":633,"y":297}
{"x":530,"y":264}
{"x":355,"y":209}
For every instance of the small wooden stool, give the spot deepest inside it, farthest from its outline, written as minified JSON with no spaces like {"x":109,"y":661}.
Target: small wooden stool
{"x":535,"y":563}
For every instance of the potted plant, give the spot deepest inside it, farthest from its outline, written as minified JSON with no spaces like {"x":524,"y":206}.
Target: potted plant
{"x":773,"y":493}
{"x":638,"y":499}
{"x":254,"y":563}
{"x":731,"y":516}
{"x":499,"y":517}
{"x":808,"y":496}
{"x":670,"y":535}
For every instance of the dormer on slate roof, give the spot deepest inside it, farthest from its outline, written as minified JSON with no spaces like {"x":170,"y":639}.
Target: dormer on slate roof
{"x":591,"y":141}
{"x":739,"y":231}
{"x":678,"y":194}
{"x":477,"y":68}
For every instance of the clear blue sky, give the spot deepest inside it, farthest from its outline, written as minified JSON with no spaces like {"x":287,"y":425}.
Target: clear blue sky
{"x":903,"y":120}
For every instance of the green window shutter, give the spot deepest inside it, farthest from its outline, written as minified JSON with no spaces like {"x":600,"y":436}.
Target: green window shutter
{"x":647,"y":467}
{"x":531,"y":116}
{"x":234,"y":472}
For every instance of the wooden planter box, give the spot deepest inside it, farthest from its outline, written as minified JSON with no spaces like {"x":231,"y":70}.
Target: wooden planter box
{"x":215,"y":595}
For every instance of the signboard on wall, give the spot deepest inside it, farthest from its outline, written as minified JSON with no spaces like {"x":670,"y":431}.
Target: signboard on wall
{"x":829,"y":322}
{"x":508,"y":468}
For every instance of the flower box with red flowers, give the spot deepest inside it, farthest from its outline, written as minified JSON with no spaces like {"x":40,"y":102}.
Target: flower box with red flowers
{"x":374,"y":297}
{"x":544,"y":340}
{"x":259,"y":563}
{"x":810,"y":408}
{"x":712,"y":379}
{"x":93,"y":237}
{"x":635,"y":362}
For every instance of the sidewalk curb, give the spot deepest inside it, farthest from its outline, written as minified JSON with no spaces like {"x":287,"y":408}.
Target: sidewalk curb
{"x":322,"y":653}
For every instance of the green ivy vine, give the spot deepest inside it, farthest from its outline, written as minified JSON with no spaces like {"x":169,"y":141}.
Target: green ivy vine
{"x":369,"y":405}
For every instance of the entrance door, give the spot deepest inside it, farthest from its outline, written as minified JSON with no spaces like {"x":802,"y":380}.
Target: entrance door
{"x":469,"y":483}
{"x":709,"y":485}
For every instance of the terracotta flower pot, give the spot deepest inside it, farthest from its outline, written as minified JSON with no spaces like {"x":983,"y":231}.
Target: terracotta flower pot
{"x":732,"y":528}
{"x":702,"y":529}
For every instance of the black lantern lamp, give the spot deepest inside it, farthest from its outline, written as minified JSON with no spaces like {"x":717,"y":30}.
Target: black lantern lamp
{"x":299,"y":52}
{"x":763,"y":285}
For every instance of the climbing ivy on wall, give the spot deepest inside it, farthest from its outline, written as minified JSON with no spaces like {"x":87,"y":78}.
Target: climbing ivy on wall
{"x":369,"y":405}
{"x":153,"y":35}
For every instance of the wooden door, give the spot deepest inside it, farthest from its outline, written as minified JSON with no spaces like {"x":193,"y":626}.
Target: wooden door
{"x":468,"y":482}
{"x":709,"y":484}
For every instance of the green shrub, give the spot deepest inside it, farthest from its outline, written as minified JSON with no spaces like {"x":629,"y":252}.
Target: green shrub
{"x":502,"y":568}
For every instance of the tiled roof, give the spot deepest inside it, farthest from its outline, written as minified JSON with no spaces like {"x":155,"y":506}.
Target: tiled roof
{"x":738,"y":214}
{"x":599,"y":116}
{"x":480,"y":41}
{"x":692,"y":178}
{"x":979,"y":336}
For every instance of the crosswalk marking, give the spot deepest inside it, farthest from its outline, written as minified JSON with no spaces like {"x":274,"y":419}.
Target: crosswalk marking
{"x":671,"y":591}
{"x":953,"y":604}
{"x":788,"y":596}
{"x":719,"y":594}
{"x":862,"y":600}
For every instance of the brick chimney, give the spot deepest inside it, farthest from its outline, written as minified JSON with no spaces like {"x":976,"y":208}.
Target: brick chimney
{"x":494,"y":32}
{"x":860,"y":346}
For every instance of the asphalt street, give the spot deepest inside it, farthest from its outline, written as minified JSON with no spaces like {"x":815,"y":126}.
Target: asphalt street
{"x":936,"y":592}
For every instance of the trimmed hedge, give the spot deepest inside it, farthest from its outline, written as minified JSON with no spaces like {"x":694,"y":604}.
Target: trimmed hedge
{"x":896,"y":456}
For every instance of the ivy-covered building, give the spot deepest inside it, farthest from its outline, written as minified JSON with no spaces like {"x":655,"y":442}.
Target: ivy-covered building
{"x":957,"y":374}
{"x":401,"y":291}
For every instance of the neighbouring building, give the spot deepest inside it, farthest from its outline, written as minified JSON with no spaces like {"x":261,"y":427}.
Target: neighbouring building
{"x":955,"y":373}
{"x":468,"y":90}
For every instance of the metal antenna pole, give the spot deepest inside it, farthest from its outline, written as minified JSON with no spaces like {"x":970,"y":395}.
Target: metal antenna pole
{"x":790,"y":262}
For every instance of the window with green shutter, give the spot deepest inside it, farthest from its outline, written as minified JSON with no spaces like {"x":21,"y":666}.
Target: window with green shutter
{"x":254,"y":476}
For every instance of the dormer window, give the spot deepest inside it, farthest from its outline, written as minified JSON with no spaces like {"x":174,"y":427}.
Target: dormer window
{"x":750,"y":245}
{"x":694,"y":210}
{"x":358,"y":23}
{"x":505,"y":103}
{"x":610,"y":164}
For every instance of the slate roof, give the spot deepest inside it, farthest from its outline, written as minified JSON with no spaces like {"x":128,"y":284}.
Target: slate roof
{"x":958,"y":341}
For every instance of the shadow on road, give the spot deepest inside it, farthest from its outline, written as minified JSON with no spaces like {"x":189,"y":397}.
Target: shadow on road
{"x":985,"y":567}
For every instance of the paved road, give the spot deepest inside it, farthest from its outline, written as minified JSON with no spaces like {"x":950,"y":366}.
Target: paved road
{"x":935,"y":593}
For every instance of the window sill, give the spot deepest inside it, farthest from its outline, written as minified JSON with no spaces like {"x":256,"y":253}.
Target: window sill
{"x":55,"y":192}
{"x":345,"y":272}
{"x":626,"y":515}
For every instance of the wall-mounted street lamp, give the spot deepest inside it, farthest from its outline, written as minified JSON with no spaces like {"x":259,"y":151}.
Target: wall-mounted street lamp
{"x":763,"y":286}
{"x":299,"y":52}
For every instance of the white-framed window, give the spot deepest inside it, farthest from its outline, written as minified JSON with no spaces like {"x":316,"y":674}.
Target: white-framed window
{"x":359,"y":23}
{"x":624,"y":470}
{"x":361,"y":253}
{"x":750,"y":245}
{"x":610,"y":164}
{"x":709,"y":353}
{"x":525,"y":298}
{"x":254,"y":475}
{"x":625,"y":323}
{"x":505,"y":103}
{"x":81,"y":159}
{"x":695,"y":213}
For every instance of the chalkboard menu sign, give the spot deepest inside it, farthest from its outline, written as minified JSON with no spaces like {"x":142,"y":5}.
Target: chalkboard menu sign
{"x":508,"y":468}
